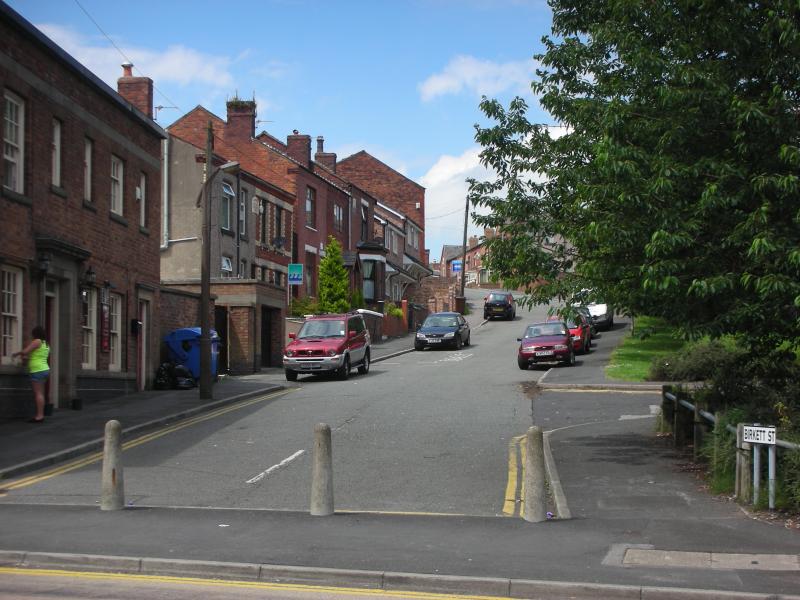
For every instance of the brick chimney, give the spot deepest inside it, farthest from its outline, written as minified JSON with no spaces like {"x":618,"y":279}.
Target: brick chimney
{"x":473,"y":241}
{"x":299,"y":148}
{"x":327,"y":159}
{"x":136,"y":90}
{"x":241,"y":120}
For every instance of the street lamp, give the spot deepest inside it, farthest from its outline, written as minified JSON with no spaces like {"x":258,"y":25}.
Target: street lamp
{"x":205,"y":268}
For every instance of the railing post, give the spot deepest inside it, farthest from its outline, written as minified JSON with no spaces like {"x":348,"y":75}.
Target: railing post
{"x":773,"y":454}
{"x":667,"y":409}
{"x":719,"y":430}
{"x":699,"y":432}
{"x":683,"y":421}
{"x":744,"y":482}
{"x":756,"y":472}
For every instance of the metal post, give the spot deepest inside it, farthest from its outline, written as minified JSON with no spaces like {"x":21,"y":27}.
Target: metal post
{"x":464,"y":250}
{"x":697,"y":442}
{"x":667,"y":409}
{"x":743,"y":472}
{"x":756,"y":472}
{"x":205,"y":277}
{"x":773,"y":455}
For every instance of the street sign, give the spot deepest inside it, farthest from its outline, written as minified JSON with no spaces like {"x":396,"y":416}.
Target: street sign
{"x":759,"y":435}
{"x":295,"y":273}
{"x":456,"y":266}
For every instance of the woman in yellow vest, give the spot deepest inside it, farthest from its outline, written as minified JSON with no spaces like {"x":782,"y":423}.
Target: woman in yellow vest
{"x":37,"y":353}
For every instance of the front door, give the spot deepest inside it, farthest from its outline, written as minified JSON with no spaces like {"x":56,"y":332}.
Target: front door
{"x":266,"y":336}
{"x":51,"y":327}
{"x":142,"y":342}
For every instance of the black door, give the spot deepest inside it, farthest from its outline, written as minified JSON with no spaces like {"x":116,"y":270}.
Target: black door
{"x":221,"y":327}
{"x":266,"y":337}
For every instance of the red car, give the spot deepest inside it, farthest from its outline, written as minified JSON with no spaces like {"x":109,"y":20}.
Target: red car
{"x":328,"y":344}
{"x":580,"y":331}
{"x":545,"y":342}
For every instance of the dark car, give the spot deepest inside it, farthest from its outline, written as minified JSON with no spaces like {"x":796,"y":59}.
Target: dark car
{"x":443,"y":329}
{"x":328,"y":344}
{"x":499,"y":304}
{"x":545,"y":342}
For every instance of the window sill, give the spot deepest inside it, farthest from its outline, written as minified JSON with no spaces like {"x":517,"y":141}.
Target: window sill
{"x":88,"y":205}
{"x":58,"y":191}
{"x":144,"y":231}
{"x":118,"y":219}
{"x":311,"y":227}
{"x":227,"y":232}
{"x":16,"y":197}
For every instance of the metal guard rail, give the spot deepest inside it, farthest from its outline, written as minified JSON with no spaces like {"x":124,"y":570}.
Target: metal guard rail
{"x":709,"y":417}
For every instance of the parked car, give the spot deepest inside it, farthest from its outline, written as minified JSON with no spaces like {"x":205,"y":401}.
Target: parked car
{"x":499,"y":304}
{"x":584,"y":310}
{"x":545,"y":342}
{"x":602,"y":315}
{"x":443,"y":329}
{"x":333,"y":343}
{"x":580,"y":331}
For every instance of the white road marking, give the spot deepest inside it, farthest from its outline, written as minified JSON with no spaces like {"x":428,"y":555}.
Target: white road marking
{"x":274,"y":468}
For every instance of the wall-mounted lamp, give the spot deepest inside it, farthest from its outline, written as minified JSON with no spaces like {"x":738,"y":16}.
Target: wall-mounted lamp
{"x":89,"y":277}
{"x":43,"y":262}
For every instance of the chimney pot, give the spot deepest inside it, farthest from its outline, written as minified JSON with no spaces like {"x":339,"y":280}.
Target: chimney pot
{"x":320,"y":143}
{"x":127,"y":69}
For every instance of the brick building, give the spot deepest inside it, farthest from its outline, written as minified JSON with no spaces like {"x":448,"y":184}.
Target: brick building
{"x":81,"y":204}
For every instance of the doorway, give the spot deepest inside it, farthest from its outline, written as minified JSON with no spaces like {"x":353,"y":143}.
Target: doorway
{"x":142,"y":341}
{"x":221,"y":327}
{"x":51,"y":327}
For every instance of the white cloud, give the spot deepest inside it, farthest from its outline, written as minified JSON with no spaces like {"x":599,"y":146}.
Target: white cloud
{"x":177,"y":64}
{"x":480,"y":77}
{"x":446,"y":197}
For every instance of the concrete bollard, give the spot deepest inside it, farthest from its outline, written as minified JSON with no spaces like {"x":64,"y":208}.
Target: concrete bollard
{"x":322,"y":473}
{"x":113,"y":492}
{"x":534,"y":509}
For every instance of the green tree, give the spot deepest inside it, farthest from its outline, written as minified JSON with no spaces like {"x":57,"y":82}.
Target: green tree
{"x":334,"y":280}
{"x":674,"y":188}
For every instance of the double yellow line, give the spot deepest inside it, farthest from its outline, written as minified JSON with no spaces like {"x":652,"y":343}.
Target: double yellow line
{"x":515,"y":486}
{"x":96,"y":456}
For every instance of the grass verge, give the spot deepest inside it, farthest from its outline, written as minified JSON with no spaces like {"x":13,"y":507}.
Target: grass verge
{"x":632,"y":358}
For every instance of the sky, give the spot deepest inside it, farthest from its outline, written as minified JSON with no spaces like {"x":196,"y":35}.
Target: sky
{"x":401,"y":79}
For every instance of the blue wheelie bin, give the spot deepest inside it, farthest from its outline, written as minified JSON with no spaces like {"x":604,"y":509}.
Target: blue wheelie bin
{"x":184,"y":349}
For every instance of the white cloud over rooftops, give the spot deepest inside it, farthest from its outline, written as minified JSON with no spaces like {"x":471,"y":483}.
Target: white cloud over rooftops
{"x":479,"y":77}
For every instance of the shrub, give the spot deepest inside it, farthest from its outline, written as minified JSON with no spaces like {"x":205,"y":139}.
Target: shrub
{"x":304,"y":306}
{"x":698,"y":361}
{"x":357,"y":300}
{"x":393,"y":310}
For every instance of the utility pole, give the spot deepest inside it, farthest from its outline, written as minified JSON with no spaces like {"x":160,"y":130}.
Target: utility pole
{"x":464,"y":250}
{"x":205,"y":277}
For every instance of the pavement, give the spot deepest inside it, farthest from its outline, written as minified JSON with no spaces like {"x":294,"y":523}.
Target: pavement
{"x":620,"y":542}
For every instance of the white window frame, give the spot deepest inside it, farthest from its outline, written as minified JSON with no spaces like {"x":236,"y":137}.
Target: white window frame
{"x":243,"y":213}
{"x":89,"y":328}
{"x":10,"y":313}
{"x":13,"y":143}
{"x":338,"y":217}
{"x":115,"y":333}
{"x":88,"y":153}
{"x":55,"y":162}
{"x":226,"y":266}
{"x":228,"y":195}
{"x":117,"y":185}
{"x":141,"y":198}
{"x":311,"y":208}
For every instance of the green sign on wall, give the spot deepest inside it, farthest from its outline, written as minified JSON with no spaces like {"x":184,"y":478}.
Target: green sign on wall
{"x":295,"y":274}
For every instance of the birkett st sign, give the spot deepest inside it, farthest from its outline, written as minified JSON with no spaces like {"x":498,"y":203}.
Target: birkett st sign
{"x":753,"y":434}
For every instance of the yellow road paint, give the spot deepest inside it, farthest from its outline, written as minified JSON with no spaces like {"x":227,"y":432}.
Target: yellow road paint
{"x":514,"y":467}
{"x":258,"y":585}
{"x":96,"y":456}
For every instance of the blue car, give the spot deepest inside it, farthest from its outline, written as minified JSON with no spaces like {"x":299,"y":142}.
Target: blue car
{"x":443,"y":329}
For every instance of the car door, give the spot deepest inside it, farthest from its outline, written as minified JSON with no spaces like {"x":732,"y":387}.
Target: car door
{"x":463,"y":328}
{"x":356,"y":343}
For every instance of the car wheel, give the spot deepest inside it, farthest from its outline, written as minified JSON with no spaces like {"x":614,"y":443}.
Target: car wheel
{"x":459,"y":341}
{"x":571,"y":360}
{"x":467,"y":342}
{"x":611,"y":322}
{"x":291,"y":375}
{"x":522,"y":364}
{"x":363,"y":368}
{"x":419,"y":347}
{"x":344,"y":371}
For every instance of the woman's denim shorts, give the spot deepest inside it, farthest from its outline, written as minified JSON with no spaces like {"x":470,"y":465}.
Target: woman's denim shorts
{"x":40,"y":376}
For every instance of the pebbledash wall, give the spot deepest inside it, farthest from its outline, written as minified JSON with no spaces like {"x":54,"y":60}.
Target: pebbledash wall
{"x":88,"y":273}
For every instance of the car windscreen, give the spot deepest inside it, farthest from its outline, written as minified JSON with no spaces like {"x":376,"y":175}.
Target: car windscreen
{"x":440,"y":321}
{"x":544,"y":330}
{"x":322,"y":329}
